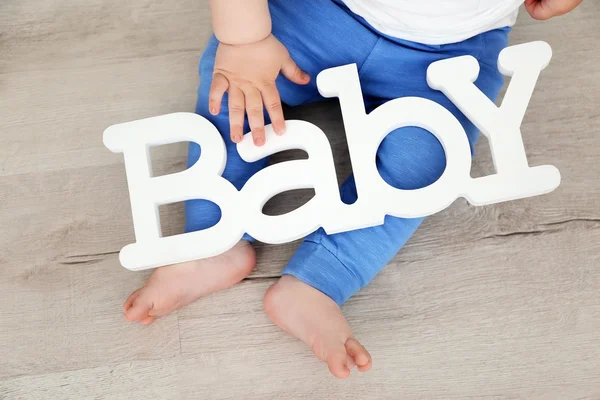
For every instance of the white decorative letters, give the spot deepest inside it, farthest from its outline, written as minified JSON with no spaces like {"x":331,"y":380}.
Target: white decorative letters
{"x":242,"y":211}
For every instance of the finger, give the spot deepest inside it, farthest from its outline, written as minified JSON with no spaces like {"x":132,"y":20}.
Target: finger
{"x":236,"y":114}
{"x":256,"y":118}
{"x":290,"y":70}
{"x":538,"y":9}
{"x":272,"y":101}
{"x":218,"y":87}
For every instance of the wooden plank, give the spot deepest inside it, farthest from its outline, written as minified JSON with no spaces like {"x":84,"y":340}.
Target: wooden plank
{"x":491,"y":302}
{"x":507,"y":318}
{"x":65,"y":81}
{"x":61,"y":286}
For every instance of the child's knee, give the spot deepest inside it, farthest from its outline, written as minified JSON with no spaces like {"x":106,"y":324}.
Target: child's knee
{"x":411,"y":158}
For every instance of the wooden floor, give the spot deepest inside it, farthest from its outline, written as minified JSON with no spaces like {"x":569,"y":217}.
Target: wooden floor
{"x":494,"y":302}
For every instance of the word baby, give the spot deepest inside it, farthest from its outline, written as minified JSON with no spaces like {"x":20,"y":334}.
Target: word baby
{"x":242,"y":211}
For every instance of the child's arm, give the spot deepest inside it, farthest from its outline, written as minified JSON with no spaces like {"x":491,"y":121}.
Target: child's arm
{"x":240,"y":21}
{"x":546,"y":9}
{"x":249,"y":59}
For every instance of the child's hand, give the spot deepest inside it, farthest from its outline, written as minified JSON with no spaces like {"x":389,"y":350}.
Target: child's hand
{"x":248,"y":73}
{"x":546,"y":9}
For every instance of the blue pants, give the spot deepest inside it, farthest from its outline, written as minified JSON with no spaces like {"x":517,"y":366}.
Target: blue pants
{"x":323,"y":34}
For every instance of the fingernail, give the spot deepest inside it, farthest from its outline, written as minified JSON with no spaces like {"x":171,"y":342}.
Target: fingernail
{"x":213,"y":111}
{"x":237,"y":138}
{"x":259,"y":141}
{"x":280,"y":131}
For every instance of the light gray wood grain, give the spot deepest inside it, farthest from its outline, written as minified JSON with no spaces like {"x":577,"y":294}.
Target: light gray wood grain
{"x":523,"y":326}
{"x":491,"y":302}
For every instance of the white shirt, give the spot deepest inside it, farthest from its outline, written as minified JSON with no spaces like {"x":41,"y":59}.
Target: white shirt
{"x":436,"y":21}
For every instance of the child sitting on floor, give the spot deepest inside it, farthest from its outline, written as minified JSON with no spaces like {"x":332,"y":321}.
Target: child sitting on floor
{"x":264,"y":53}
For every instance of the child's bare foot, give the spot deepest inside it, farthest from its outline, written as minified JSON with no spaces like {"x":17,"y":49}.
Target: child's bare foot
{"x":170,"y":288}
{"x":317,"y":320}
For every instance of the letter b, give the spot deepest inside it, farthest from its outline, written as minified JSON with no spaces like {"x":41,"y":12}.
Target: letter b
{"x":201,"y":181}
{"x":366,"y":132}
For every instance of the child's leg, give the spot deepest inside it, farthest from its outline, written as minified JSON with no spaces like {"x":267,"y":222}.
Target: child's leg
{"x":409,"y":158}
{"x":301,"y":27}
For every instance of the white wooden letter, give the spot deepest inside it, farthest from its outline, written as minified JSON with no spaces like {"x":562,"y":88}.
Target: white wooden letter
{"x":317,"y":172}
{"x":366,"y":132}
{"x":502,"y":126}
{"x":201,"y":181}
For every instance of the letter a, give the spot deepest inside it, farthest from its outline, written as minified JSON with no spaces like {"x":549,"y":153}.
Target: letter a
{"x":202,"y":181}
{"x":317,"y":172}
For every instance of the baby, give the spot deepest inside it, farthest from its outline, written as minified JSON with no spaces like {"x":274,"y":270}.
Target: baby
{"x":264,"y":54}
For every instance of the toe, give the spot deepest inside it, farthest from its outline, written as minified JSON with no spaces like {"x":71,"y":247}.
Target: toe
{"x":359,"y":354}
{"x":340,"y":364}
{"x":137,"y":307}
{"x":147,"y":320}
{"x":129,"y":302}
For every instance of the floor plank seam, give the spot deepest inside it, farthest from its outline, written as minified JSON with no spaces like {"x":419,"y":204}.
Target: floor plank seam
{"x":111,"y":366}
{"x":107,"y":253}
{"x":594,"y":221}
{"x":85,"y":259}
{"x":262,"y":278}
{"x":556,"y":227}
{"x":179,"y":334}
{"x":532,"y":233}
